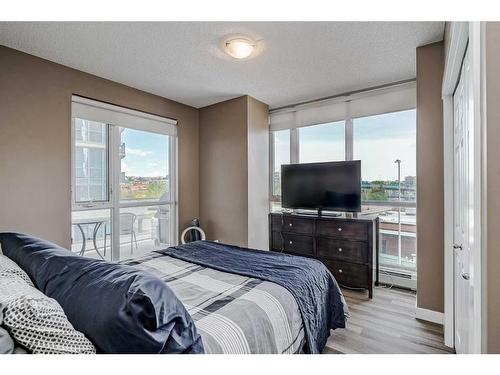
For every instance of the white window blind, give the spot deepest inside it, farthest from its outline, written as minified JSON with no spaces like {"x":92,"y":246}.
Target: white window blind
{"x":391,"y":99}
{"x":395,"y":99}
{"x":120,"y":116}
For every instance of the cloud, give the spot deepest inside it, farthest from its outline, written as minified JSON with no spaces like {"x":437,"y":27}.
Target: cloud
{"x":137,"y":152}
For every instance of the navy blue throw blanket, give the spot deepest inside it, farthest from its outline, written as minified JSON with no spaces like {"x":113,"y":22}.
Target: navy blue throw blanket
{"x":314,"y":288}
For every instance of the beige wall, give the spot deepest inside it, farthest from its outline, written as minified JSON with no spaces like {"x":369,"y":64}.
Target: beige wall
{"x":492,"y":293}
{"x":258,"y":174}
{"x":35,"y":112}
{"x":430,"y":215}
{"x":234,"y":179}
{"x":223,"y":171}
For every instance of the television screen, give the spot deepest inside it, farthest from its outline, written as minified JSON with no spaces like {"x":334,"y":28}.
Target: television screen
{"x":332,"y":186}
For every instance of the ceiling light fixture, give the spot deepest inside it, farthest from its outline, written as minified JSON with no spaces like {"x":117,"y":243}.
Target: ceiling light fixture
{"x":240,"y":48}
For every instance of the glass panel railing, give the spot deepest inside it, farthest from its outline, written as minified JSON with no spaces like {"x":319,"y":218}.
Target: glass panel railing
{"x":398,"y":233}
{"x":141,"y":230}
{"x":91,"y":233}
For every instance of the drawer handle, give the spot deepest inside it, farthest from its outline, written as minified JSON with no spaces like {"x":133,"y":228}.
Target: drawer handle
{"x":340,"y":229}
{"x":291,"y":242}
{"x":290,"y":224}
{"x":340,"y":270}
{"x":340,"y":249}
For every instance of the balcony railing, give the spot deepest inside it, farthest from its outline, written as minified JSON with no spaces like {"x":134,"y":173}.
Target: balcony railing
{"x":150,"y":230}
{"x":398,"y":232}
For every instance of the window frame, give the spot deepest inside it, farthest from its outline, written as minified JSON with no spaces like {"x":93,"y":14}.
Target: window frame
{"x":96,"y":204}
{"x":348,"y":148}
{"x":348,"y":107}
{"x":322,"y":124}
{"x":152,"y":124}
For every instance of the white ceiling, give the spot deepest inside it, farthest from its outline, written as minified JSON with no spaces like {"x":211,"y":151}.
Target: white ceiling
{"x":182,"y":60}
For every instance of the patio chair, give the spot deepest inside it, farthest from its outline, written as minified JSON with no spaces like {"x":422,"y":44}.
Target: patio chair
{"x":127,"y":221}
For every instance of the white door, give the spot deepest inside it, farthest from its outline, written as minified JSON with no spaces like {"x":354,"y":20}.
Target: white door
{"x":463,"y":210}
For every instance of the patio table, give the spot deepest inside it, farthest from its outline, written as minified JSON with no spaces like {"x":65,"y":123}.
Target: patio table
{"x":97,"y":222}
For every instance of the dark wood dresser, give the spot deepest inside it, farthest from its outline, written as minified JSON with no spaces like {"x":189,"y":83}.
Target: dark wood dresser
{"x":347,"y":246}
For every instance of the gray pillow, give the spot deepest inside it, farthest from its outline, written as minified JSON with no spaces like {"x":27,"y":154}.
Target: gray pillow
{"x":8,"y":266}
{"x":6,"y":342}
{"x":36,"y":321}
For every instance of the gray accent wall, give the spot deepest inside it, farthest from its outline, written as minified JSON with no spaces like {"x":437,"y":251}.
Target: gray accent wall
{"x":430,"y":178}
{"x":234,"y":172}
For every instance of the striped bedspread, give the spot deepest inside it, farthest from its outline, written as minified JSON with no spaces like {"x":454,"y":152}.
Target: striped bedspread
{"x":233,"y":314}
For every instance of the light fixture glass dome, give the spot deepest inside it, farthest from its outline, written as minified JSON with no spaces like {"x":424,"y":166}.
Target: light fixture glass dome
{"x":240,"y":48}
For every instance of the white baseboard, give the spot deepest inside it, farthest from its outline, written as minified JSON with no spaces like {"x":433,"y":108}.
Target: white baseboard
{"x":429,"y":315}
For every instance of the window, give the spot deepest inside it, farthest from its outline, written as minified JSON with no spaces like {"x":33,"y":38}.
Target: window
{"x":281,"y":155}
{"x":144,"y":162}
{"x":324,"y":142}
{"x":91,"y":161}
{"x":389,"y":181}
{"x":390,"y":137}
{"x":123,"y":168}
{"x":377,"y":128}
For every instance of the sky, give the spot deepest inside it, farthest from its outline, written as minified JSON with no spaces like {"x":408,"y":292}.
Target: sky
{"x":378,"y":142}
{"x":146,"y":153}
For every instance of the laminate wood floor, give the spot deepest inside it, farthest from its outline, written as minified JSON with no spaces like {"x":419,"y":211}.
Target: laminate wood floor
{"x":385,"y":324}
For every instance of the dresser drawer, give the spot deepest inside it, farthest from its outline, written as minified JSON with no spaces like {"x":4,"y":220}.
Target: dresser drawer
{"x":349,"y":274}
{"x":298,"y":225}
{"x":276,"y":222}
{"x":343,"y":229}
{"x":352,"y":251}
{"x":298,"y":244}
{"x":276,"y":241}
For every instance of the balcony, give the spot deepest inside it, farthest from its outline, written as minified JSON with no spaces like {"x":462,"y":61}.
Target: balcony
{"x":142,"y":230}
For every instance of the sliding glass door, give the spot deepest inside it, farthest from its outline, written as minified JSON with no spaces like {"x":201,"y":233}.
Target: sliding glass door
{"x":123,"y":184}
{"x":145,"y":210}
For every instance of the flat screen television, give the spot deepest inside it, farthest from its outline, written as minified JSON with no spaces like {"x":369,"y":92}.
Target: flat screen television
{"x":332,"y":186}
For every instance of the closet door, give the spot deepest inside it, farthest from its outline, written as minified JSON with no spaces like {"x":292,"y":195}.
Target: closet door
{"x":463,"y":210}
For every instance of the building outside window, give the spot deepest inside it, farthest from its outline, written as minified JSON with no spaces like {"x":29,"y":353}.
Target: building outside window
{"x":281,"y":155}
{"x":91,"y":161}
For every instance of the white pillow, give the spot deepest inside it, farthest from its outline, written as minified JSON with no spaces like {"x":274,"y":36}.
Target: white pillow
{"x":36,"y":321}
{"x":8,"y":266}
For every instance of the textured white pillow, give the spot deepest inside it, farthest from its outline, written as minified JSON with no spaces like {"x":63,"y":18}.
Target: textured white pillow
{"x":36,"y":321}
{"x":8,"y":266}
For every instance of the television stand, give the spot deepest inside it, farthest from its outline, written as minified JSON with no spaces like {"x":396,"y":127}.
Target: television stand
{"x":348,"y":247}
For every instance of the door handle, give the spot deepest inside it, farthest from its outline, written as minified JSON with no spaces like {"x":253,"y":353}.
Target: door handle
{"x":465,"y":275}
{"x":455,"y":246}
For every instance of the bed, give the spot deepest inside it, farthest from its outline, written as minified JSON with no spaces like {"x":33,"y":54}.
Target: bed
{"x":234,"y":314}
{"x":199,"y":297}
{"x":251,"y":301}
